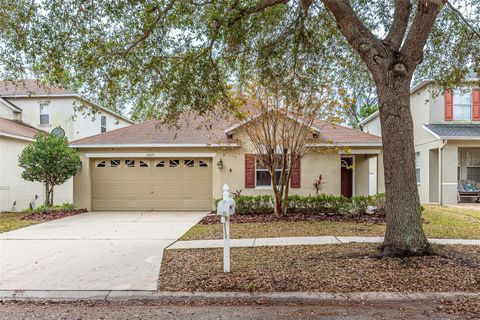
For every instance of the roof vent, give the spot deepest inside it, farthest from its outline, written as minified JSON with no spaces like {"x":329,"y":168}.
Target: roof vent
{"x":315,"y":135}
{"x":230,"y":136}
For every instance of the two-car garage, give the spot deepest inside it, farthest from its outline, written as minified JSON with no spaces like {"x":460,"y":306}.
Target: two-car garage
{"x":179,"y":184}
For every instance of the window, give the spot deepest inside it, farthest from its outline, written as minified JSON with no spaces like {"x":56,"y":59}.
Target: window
{"x":130,"y":163}
{"x":189,"y":163}
{"x":473,"y":165}
{"x":160,"y":164}
{"x":101,"y":164}
{"x":262,"y":175}
{"x":462,"y":105}
{"x":417,"y":166}
{"x":103,"y":124}
{"x":202,"y":164}
{"x":174,"y":163}
{"x":114,"y":163}
{"x":143,"y":164}
{"x":44,"y":113}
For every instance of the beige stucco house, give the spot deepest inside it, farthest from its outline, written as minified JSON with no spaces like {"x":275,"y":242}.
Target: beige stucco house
{"x":27,"y":107}
{"x":151,"y":166}
{"x":447,"y":140}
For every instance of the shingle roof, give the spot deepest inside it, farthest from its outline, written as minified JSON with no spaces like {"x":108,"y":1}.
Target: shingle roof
{"x":29,"y":87}
{"x":194,"y":129}
{"x":344,"y":135}
{"x":455,"y":130}
{"x":16,"y":128}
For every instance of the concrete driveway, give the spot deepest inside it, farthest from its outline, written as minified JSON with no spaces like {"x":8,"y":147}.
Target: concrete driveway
{"x":91,"y":251}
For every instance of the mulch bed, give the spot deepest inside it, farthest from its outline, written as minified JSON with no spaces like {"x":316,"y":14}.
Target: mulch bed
{"x":295,"y":217}
{"x":52,"y":215}
{"x":467,"y":308}
{"x":327,"y":268}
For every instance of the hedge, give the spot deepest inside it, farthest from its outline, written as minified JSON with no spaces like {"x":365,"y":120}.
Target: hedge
{"x":312,"y":204}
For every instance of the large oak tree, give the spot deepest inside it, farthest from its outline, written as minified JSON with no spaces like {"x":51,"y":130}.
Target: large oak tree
{"x":160,"y":57}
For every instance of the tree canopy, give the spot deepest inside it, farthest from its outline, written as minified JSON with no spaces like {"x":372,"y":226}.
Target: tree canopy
{"x":165,"y":56}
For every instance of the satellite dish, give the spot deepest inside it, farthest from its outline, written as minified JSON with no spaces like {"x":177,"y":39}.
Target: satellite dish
{"x":58,"y":132}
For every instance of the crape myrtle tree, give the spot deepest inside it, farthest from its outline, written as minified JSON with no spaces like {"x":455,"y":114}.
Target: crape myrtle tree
{"x":282,"y":130}
{"x":49,"y":160}
{"x":164,"y":56}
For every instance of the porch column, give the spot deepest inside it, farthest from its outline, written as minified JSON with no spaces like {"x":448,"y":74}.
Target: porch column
{"x":448,"y":168}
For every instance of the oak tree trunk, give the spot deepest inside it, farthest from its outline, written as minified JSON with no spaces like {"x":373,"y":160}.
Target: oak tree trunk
{"x":404,"y":235}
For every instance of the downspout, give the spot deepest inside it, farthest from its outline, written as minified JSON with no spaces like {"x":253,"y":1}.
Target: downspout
{"x":440,"y":170}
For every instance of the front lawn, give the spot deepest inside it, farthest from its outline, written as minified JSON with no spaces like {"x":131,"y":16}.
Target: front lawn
{"x":326,"y":268}
{"x":13,"y":220}
{"x":440,"y":222}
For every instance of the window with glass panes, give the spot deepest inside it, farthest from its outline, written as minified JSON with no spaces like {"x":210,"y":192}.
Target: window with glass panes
{"x":462,"y":105}
{"x":473,"y":165}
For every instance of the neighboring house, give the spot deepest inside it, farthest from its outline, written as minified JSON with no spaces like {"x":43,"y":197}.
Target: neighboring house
{"x":447,"y":140}
{"x":28,"y":107}
{"x":152,"y":166}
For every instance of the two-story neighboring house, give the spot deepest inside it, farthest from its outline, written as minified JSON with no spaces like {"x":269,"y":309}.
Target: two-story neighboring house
{"x":447,"y":141}
{"x":28,"y":107}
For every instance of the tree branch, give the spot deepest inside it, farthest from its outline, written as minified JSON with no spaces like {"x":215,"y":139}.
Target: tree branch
{"x":149,"y":29}
{"x":425,"y":16}
{"x":462,"y":18}
{"x":360,"y":38}
{"x":399,"y":25}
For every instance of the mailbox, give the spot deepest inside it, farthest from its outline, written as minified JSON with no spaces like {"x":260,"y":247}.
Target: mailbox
{"x":226,"y":208}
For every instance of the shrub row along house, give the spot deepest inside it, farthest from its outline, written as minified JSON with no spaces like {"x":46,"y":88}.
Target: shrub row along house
{"x":153,"y":166}
{"x":447,"y":141}
{"x":28,"y":107}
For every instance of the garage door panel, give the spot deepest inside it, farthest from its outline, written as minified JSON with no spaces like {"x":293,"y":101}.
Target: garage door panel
{"x":152,"y":188}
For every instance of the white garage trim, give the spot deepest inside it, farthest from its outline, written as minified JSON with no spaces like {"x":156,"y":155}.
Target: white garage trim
{"x":150,"y":155}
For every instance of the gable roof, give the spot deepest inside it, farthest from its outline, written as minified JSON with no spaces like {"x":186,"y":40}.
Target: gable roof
{"x":30,"y":88}
{"x":16,"y":129}
{"x":194,"y":131}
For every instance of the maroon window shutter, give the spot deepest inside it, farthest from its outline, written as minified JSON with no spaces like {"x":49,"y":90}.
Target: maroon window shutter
{"x":295,"y":178}
{"x":249,"y":171}
{"x":448,"y":105}
{"x":476,"y":104}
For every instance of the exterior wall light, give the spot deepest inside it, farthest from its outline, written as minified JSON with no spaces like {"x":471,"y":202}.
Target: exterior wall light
{"x":220,"y":164}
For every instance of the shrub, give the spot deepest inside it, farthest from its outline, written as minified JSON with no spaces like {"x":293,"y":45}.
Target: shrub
{"x":312,"y":204}
{"x":66,"y":207}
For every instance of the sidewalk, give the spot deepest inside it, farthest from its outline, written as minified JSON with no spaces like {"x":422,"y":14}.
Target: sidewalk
{"x":298,"y":241}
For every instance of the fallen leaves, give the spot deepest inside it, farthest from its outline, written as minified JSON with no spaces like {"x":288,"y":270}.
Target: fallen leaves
{"x":328,"y":268}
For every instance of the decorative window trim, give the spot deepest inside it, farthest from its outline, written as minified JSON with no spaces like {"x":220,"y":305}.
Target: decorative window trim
{"x":189,"y":163}
{"x":130,"y":163}
{"x":143,"y":164}
{"x":173,"y":163}
{"x":202,"y":164}
{"x":101,"y":164}
{"x":160,"y":164}
{"x":115,"y":163}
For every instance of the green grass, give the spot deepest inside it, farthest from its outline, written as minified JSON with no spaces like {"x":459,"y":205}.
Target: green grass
{"x":13,"y":220}
{"x":440,"y":222}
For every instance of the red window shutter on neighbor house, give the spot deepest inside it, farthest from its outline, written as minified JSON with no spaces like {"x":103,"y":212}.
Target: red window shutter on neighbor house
{"x":448,"y":105}
{"x":295,"y":178}
{"x":249,"y":171}
{"x":476,"y":104}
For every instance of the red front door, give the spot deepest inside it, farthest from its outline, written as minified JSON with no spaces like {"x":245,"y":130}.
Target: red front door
{"x":346,"y":177}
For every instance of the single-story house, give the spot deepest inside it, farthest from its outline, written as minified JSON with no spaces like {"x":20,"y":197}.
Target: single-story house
{"x":153,"y":166}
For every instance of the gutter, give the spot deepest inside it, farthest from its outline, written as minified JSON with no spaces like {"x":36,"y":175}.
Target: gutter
{"x":8,"y":135}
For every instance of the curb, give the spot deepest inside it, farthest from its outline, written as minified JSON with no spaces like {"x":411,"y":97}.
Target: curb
{"x":225,"y":297}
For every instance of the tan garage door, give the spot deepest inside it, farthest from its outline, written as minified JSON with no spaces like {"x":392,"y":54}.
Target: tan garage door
{"x":152,"y":184}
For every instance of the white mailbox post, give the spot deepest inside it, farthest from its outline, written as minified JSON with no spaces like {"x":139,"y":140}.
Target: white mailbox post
{"x":226,"y":208}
